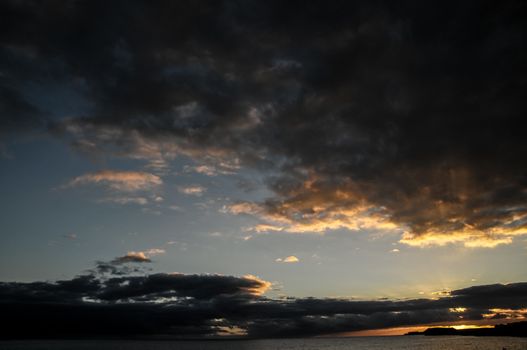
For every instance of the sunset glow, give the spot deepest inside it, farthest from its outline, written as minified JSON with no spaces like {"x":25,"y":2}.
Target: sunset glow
{"x":203,"y":169}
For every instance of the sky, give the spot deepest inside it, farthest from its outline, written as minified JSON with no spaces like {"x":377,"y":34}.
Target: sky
{"x":261,"y":168}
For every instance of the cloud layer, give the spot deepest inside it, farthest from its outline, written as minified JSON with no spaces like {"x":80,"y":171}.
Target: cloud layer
{"x":363,"y":114}
{"x":182,"y":305}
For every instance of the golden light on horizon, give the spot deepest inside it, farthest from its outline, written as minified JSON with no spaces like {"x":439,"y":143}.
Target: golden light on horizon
{"x":395,"y":331}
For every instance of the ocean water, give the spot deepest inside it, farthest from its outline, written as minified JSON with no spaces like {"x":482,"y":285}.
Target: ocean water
{"x":385,"y":343}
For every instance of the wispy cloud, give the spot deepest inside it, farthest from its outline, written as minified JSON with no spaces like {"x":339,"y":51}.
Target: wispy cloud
{"x":126,"y":181}
{"x":218,"y":168}
{"x":126,"y":200}
{"x":202,"y":169}
{"x":154,"y":251}
{"x":193,"y":190}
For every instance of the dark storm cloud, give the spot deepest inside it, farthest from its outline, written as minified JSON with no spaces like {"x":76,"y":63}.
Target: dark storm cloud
{"x":17,"y":113}
{"x":179,"y":285}
{"x":207,"y":305}
{"x":412,"y":110}
{"x":510,"y":296}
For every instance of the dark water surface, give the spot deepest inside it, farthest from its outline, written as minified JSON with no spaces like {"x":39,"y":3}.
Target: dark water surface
{"x":407,"y":343}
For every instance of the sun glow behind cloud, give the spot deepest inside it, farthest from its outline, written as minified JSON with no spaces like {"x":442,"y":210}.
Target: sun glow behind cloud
{"x":319,"y":218}
{"x":469,"y":237}
{"x":356,"y":150}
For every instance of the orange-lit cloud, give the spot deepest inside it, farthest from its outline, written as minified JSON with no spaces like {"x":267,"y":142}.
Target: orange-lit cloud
{"x":258,"y":285}
{"x":126,"y":181}
{"x":138,"y":256}
{"x":518,"y":314}
{"x":338,"y":149}
{"x":289,"y":259}
{"x":313,"y":206}
{"x":202,"y":169}
{"x":314,"y":212}
{"x":428,"y":206}
{"x":457,"y":309}
{"x":469,"y":237}
{"x":135,"y":257}
{"x":194,"y":190}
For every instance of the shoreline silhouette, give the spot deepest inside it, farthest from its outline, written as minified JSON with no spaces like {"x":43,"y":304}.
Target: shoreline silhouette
{"x":515,"y":329}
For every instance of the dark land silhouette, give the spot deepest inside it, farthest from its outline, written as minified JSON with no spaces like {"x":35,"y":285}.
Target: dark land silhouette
{"x":516,"y":329}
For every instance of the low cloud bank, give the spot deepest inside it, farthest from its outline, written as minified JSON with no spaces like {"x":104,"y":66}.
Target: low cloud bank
{"x":116,"y":302}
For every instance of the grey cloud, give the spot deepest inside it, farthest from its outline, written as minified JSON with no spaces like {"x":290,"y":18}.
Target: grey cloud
{"x":182,"y":305}
{"x":414,"y":110}
{"x":132,"y":257}
{"x":122,"y":265}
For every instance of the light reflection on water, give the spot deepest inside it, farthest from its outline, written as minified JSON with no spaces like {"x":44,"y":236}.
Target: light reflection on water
{"x":374,"y":343}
